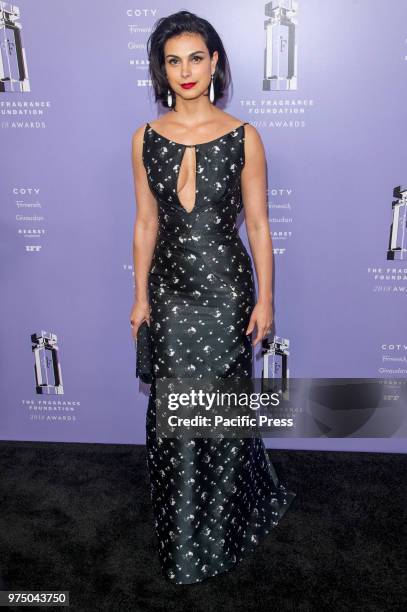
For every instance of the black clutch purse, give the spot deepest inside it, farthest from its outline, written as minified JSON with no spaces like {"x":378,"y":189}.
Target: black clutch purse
{"x":144,"y":365}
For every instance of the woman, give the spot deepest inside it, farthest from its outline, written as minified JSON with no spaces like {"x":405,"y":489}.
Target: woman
{"x":213,"y":500}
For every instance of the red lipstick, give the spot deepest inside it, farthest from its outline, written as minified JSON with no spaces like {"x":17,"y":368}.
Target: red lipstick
{"x":187,"y":85}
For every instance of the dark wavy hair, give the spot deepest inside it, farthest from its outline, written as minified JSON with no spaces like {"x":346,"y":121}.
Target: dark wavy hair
{"x":173,"y":25}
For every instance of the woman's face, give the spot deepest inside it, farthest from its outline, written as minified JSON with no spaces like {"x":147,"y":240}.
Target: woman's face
{"x":187,"y":60}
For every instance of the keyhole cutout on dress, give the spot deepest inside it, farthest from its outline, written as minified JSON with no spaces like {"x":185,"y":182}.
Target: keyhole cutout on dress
{"x":186,"y":180}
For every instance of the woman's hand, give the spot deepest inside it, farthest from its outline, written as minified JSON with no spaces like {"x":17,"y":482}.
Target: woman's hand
{"x":262,"y":315}
{"x":139,"y":312}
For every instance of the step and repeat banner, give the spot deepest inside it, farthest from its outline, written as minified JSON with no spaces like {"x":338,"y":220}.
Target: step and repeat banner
{"x":324,"y":83}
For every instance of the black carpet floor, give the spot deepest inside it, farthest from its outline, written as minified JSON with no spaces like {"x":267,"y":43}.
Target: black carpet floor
{"x":77,"y":517}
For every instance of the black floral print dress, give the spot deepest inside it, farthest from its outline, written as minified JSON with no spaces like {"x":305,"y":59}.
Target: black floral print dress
{"x":213,"y":500}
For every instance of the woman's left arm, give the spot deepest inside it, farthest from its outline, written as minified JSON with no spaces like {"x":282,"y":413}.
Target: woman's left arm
{"x":258,"y":230}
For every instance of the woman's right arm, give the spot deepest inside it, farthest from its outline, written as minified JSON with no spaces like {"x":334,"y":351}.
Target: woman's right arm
{"x":144,"y":235}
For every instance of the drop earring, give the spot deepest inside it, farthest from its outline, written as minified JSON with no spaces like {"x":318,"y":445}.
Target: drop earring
{"x":169,"y":98}
{"x":211,"y":91}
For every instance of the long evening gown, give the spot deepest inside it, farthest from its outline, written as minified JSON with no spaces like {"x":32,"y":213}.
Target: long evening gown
{"x":213,"y":499}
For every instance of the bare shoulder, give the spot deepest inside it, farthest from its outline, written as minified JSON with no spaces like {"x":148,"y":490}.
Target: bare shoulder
{"x":138,"y":134}
{"x":227,"y":121}
{"x":137,"y":141}
{"x":253,"y":141}
{"x":251,"y":133}
{"x":162,"y":121}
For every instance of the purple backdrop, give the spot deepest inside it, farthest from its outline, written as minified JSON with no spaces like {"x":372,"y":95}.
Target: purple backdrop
{"x":335,"y":152}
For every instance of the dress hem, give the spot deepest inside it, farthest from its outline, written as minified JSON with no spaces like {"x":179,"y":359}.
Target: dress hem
{"x":247,"y":551}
